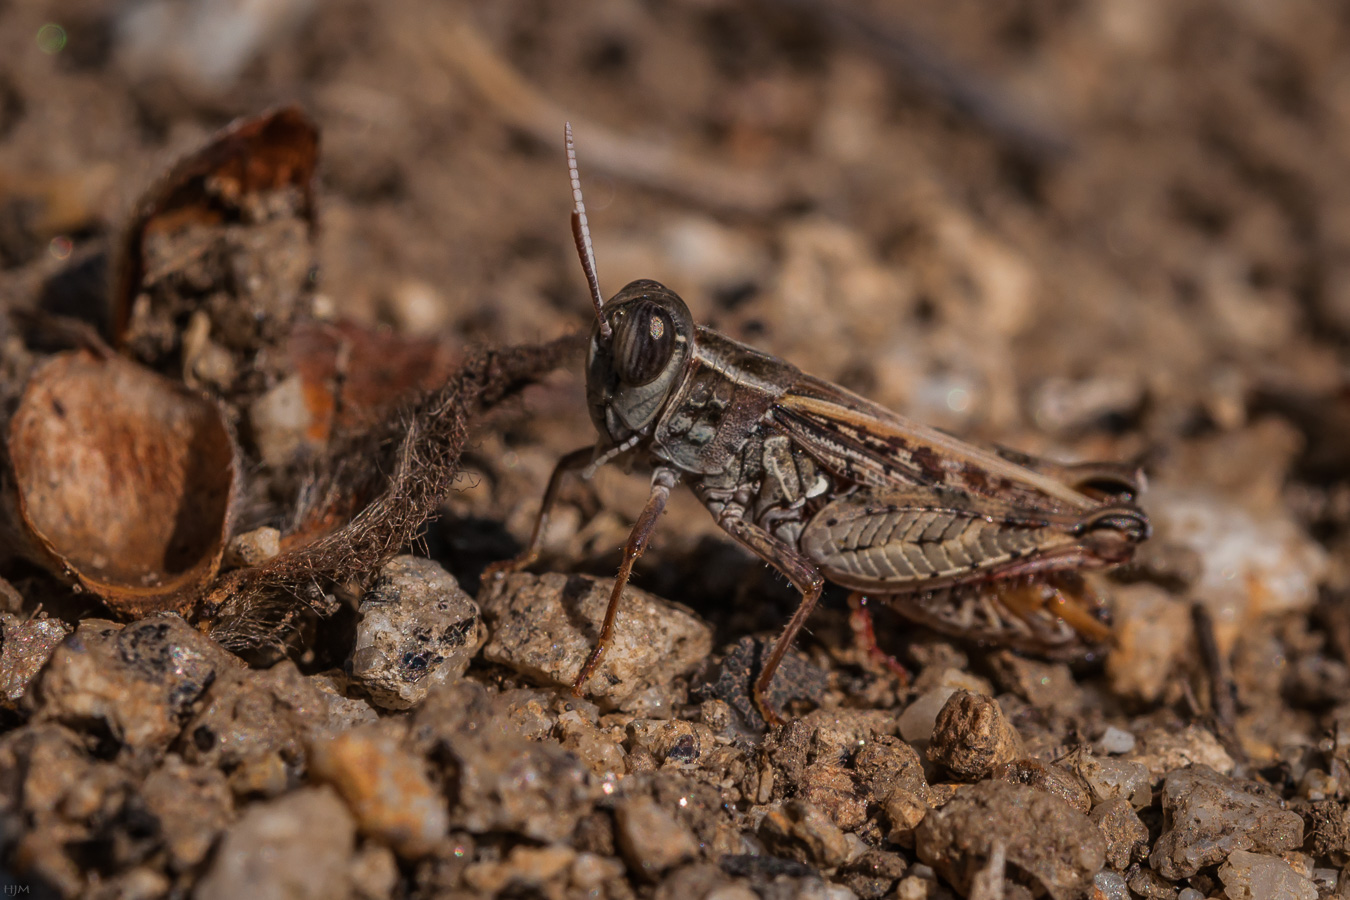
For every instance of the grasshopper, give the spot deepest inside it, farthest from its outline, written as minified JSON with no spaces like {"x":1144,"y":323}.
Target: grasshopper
{"x":825,"y":485}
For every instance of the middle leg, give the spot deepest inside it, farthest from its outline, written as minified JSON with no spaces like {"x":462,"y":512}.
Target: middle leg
{"x":804,"y":576}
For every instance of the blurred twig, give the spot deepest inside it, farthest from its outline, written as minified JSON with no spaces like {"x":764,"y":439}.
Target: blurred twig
{"x":913,"y":60}
{"x":1222,"y":690}
{"x":465,"y":51}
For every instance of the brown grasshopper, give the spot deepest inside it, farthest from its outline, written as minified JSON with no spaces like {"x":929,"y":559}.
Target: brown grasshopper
{"x":824,"y":485}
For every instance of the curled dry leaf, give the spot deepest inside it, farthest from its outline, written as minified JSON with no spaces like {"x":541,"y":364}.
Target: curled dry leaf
{"x":124,"y":478}
{"x":217,"y":261}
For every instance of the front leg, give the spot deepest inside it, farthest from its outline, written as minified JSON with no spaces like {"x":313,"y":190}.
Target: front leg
{"x":577,"y":459}
{"x":804,"y":576}
{"x":663,"y":479}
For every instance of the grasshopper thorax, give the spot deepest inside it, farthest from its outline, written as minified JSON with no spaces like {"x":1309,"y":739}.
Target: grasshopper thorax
{"x":630,"y":376}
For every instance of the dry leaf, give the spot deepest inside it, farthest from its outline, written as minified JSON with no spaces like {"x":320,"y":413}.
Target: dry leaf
{"x":125,"y":480}
{"x":353,"y":375}
{"x":218,"y":260}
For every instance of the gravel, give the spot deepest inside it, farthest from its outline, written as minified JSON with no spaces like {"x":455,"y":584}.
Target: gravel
{"x":1207,"y":817}
{"x":545,"y":627}
{"x":291,"y":848}
{"x":418,"y":629}
{"x":1055,"y":847}
{"x":1172,"y":290}
{"x":1255,"y":876}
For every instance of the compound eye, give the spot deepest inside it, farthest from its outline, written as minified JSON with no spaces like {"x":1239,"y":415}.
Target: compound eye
{"x":644,"y":341}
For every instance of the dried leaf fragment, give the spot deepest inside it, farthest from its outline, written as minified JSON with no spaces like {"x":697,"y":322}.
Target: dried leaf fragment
{"x":124,"y":479}
{"x":353,"y":375}
{"x":217,"y":261}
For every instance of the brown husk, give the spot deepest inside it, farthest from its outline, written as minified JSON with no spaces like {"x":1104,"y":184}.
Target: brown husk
{"x":125,"y":480}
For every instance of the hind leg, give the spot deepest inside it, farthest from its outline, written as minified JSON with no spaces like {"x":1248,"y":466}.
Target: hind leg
{"x":865,"y":639}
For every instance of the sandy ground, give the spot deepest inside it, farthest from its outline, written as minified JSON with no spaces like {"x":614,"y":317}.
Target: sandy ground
{"x":1111,"y":231}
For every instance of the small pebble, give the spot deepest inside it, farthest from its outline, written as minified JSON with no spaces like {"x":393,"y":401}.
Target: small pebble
{"x":1254,"y":876}
{"x":138,"y":682}
{"x":1108,"y":885}
{"x":1053,"y":846}
{"x":25,"y":647}
{"x":1115,"y":741}
{"x":798,"y":830}
{"x":296,"y":847}
{"x":1053,"y":779}
{"x":418,"y":629}
{"x":1150,"y":637}
{"x":255,"y":726}
{"x":891,"y":775}
{"x":252,"y":548}
{"x":280,"y":420}
{"x":544,"y":627}
{"x":415,"y":307}
{"x":598,"y":748}
{"x":1111,"y":779}
{"x":524,"y":868}
{"x":374,"y":872}
{"x":1209,"y":816}
{"x":1161,"y":751}
{"x":917,"y":721}
{"x":1126,"y":835}
{"x":385,"y":787}
{"x":651,"y":839}
{"x":496,"y":778}
{"x":193,"y":806}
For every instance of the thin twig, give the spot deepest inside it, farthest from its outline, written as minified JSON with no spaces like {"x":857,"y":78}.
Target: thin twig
{"x":988,"y":883}
{"x":1222,"y":689}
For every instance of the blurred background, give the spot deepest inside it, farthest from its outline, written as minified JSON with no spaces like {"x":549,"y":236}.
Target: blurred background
{"x":1116,"y":229}
{"x":1051,"y":213}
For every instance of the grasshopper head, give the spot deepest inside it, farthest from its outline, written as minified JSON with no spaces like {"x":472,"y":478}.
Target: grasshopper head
{"x":631,"y":373}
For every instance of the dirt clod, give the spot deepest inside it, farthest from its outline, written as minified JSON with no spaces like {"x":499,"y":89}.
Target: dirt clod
{"x":972,"y":736}
{"x":1126,"y":836}
{"x":1054,"y":847}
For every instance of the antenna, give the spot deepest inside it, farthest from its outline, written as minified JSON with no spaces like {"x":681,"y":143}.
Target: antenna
{"x":581,"y":233}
